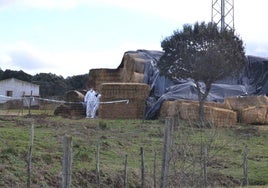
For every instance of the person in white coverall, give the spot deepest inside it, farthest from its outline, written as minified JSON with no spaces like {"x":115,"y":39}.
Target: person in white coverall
{"x":96,"y":105}
{"x":92,"y":100}
{"x":89,"y":100}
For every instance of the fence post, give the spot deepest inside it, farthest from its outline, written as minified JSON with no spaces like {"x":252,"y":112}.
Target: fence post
{"x":142,"y":169}
{"x":155,"y":170}
{"x":169,"y":123}
{"x":30,"y":103}
{"x":205,"y":164}
{"x":98,"y":162}
{"x":245,"y":166}
{"x":125,"y":172}
{"x":67,"y":162}
{"x":30,"y":158}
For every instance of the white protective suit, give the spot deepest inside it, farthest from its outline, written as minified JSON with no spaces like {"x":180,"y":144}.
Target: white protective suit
{"x":90,"y":100}
{"x":96,"y":105}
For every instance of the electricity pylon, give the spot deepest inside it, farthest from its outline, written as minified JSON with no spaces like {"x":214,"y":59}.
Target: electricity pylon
{"x":223,"y":13}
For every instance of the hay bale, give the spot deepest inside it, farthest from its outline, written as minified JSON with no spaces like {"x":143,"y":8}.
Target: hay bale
{"x":189,"y":110}
{"x":240,"y":103}
{"x":74,"y":96}
{"x":62,"y":110}
{"x":99,"y":76}
{"x":254,"y":115}
{"x":133,"y":65}
{"x":137,"y":78}
{"x":139,"y":65}
{"x":136,"y":94}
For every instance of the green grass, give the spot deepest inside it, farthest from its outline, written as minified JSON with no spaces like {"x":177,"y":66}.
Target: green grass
{"x":121,"y":137}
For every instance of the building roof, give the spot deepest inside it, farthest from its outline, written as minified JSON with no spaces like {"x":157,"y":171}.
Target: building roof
{"x":18,"y":80}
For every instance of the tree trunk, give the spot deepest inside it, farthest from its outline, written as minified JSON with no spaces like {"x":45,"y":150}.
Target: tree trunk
{"x":201,"y":111}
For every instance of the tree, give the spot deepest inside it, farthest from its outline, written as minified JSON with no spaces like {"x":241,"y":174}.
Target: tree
{"x":78,"y":82}
{"x":16,"y":74}
{"x":203,"y":53}
{"x":50,"y":84}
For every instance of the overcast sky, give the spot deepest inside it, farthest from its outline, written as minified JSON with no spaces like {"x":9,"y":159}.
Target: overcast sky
{"x":70,"y":37}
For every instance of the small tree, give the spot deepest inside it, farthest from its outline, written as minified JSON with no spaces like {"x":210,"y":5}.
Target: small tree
{"x":203,"y":53}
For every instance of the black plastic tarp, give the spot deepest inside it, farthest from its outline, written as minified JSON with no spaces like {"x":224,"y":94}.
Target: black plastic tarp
{"x":253,"y":80}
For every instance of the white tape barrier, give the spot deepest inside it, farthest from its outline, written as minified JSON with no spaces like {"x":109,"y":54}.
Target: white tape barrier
{"x":60,"y":101}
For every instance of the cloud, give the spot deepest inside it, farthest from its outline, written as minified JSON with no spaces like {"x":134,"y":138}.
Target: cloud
{"x":22,"y":56}
{"x":180,"y":10}
{"x":26,"y":57}
{"x":42,"y":4}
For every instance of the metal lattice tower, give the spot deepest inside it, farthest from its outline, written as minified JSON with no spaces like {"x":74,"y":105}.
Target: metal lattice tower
{"x":223,"y":13}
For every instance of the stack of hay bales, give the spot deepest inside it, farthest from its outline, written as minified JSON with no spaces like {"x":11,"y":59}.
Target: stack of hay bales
{"x":133,"y":68}
{"x":99,"y":76}
{"x":136,"y":93}
{"x":250,"y":109}
{"x":73,"y":106}
{"x":215,"y":113}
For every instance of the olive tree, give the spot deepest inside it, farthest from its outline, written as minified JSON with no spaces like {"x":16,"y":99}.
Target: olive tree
{"x":203,"y":53}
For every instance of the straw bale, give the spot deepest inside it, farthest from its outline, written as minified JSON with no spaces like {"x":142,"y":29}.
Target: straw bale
{"x":189,"y":110}
{"x":169,"y":108}
{"x":74,"y":96}
{"x":137,"y":78}
{"x":136,"y":93}
{"x":77,"y":109}
{"x":132,"y":64}
{"x":139,"y":65}
{"x":240,"y":103}
{"x":128,"y":68}
{"x":99,"y":76}
{"x":62,"y":110}
{"x":70,"y":110}
{"x":124,"y":91}
{"x":254,"y":115}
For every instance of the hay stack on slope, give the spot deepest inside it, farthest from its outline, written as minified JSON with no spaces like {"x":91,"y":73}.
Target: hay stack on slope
{"x":215,"y":113}
{"x":136,"y":94}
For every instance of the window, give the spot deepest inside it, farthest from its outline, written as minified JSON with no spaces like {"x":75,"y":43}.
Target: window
{"x":9,"y":93}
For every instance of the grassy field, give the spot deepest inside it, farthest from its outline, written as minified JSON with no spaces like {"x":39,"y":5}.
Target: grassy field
{"x":119,"y":138}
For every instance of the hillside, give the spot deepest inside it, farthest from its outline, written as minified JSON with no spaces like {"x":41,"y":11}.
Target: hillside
{"x":119,"y":138}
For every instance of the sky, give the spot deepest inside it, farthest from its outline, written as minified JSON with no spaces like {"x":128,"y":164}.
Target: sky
{"x":70,"y":37}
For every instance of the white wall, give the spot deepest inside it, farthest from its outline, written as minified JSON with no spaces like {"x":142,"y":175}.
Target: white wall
{"x":18,"y":88}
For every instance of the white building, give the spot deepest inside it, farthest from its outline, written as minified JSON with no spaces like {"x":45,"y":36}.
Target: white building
{"x":14,"y":89}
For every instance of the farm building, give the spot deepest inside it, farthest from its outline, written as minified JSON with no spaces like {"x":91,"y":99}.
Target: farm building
{"x":14,"y":89}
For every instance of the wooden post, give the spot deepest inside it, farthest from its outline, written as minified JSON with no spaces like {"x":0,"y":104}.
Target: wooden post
{"x":155,"y":170}
{"x":142,"y":169}
{"x":245,"y":166}
{"x":98,"y":163}
{"x":30,"y":157}
{"x":205,"y":164}
{"x":125,"y":173}
{"x":30,"y":103}
{"x":67,"y":162}
{"x":169,"y":123}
